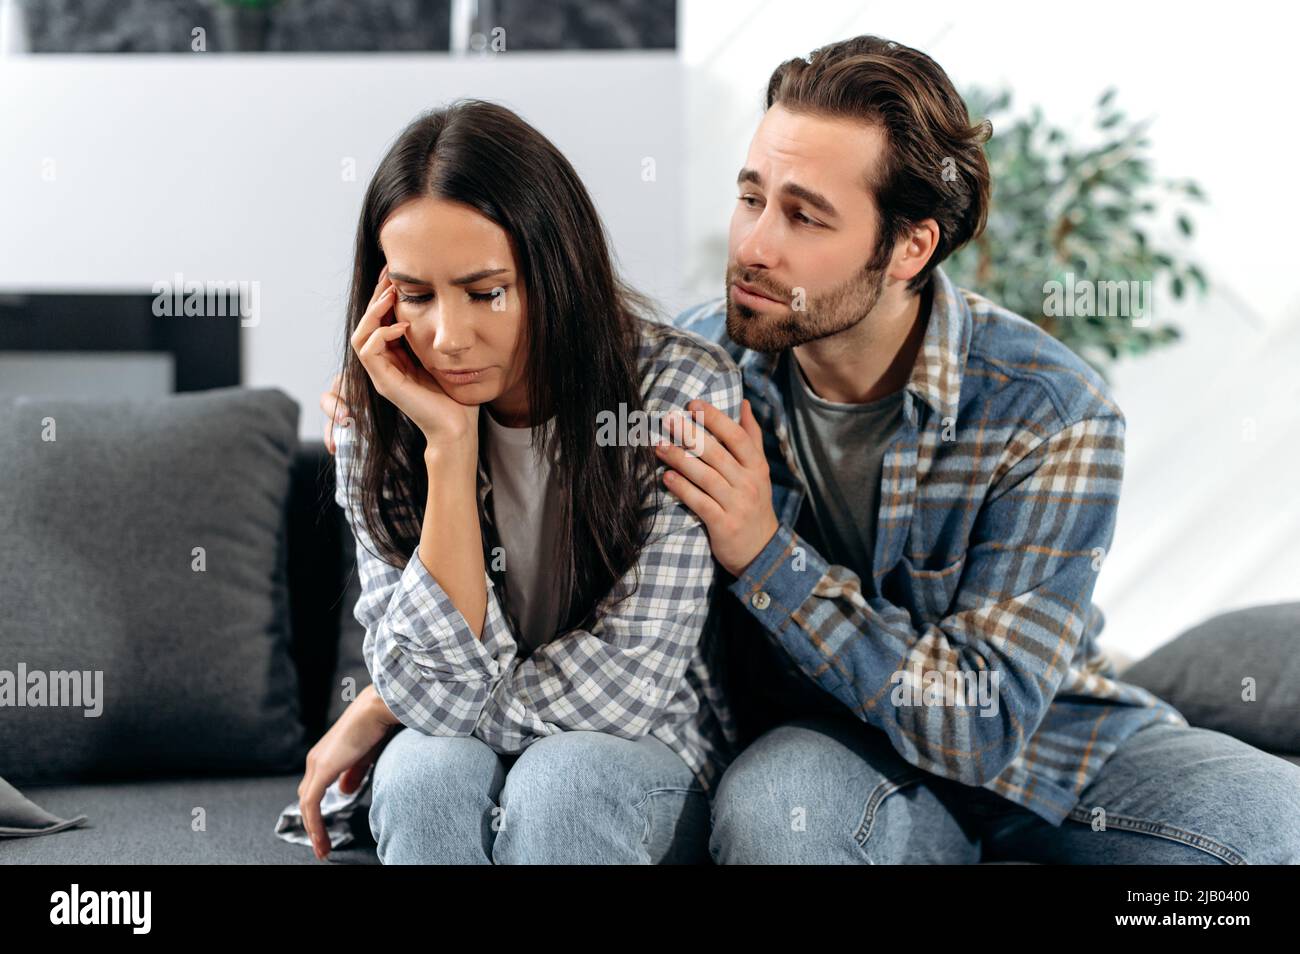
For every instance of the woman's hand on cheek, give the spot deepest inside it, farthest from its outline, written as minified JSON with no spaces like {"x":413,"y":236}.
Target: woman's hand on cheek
{"x":404,"y":381}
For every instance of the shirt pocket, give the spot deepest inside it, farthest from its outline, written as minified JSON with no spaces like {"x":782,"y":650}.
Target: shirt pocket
{"x":928,"y":593}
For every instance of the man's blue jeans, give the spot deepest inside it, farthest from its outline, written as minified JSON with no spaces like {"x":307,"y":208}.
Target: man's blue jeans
{"x":831,"y":790}
{"x":571,"y":798}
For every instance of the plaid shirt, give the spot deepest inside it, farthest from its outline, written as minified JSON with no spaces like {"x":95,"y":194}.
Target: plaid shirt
{"x":998,"y":502}
{"x":645,"y":666}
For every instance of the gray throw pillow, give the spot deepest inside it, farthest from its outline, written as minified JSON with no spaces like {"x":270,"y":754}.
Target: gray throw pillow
{"x":143,"y":572}
{"x":1204,"y":674}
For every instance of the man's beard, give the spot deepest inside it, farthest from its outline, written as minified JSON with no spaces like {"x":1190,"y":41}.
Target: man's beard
{"x":837,"y":310}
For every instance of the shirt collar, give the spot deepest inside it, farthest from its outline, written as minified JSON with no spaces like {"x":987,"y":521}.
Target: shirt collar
{"x":937,"y":372}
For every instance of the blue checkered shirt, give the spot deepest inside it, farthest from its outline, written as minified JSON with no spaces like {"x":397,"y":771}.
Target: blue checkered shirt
{"x":998,"y":502}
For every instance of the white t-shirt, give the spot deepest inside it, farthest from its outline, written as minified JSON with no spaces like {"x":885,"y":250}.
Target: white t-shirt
{"x":526,"y":510}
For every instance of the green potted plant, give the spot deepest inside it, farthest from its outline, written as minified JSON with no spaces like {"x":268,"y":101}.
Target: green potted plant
{"x":1065,"y":216}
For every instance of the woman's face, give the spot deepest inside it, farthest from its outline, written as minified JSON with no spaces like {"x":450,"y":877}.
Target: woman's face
{"x":454,"y":270}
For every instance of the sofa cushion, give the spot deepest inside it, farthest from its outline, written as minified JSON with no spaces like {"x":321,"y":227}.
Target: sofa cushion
{"x":1205,"y":674}
{"x":144,"y":566}
{"x":324,"y":589}
{"x":317,"y":534}
{"x":155,"y":822}
{"x":350,"y":674}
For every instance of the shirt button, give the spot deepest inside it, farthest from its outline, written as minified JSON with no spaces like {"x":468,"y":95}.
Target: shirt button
{"x":760,"y":600}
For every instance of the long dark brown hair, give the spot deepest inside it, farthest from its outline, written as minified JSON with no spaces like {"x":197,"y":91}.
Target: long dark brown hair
{"x":581,"y":337}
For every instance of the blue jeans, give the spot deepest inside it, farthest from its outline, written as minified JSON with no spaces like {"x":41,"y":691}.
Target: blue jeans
{"x":571,"y":798}
{"x":832,"y":790}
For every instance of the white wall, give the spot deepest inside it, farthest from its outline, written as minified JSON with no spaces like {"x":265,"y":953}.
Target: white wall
{"x":227,"y":167}
{"x":1210,"y":515}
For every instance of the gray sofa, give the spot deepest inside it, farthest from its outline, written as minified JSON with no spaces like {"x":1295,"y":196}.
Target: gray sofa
{"x":156,"y":783}
{"x":218,"y":680}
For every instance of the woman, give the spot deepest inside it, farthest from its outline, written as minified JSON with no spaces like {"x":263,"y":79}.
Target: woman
{"x":536,"y":605}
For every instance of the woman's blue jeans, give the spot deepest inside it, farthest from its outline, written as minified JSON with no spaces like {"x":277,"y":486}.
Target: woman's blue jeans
{"x":570,"y":798}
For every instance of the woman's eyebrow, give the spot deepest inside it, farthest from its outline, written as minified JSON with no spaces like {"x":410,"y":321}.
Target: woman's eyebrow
{"x":408,"y":279}
{"x":480,"y":274}
{"x":463,"y":280}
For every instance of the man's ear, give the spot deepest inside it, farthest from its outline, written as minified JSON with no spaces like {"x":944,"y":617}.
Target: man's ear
{"x":914,"y":249}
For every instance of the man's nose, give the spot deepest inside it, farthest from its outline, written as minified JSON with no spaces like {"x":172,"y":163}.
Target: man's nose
{"x":759,"y":246}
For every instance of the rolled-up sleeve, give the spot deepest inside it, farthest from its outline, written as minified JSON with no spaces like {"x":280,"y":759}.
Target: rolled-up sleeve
{"x":425,"y":661}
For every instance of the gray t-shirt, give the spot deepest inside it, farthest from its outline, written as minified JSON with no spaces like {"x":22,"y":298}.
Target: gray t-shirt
{"x":526,"y":511}
{"x":840,"y":448}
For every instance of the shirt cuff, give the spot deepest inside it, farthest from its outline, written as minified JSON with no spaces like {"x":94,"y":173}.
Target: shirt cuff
{"x":779,"y":580}
{"x":429,"y":618}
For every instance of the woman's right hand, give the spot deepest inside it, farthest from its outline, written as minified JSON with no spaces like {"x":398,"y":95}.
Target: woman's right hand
{"x":344,"y":753}
{"x":405,"y":382}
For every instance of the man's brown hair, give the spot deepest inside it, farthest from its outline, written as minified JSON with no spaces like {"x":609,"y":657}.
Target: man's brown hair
{"x":933,"y":164}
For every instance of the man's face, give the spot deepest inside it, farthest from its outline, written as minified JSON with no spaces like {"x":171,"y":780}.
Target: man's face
{"x":803,"y":232}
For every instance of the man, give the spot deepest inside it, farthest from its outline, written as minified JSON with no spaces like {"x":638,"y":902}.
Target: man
{"x":914,"y":509}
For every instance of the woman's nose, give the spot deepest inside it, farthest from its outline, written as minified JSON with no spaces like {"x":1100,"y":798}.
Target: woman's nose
{"x":453,"y":332}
